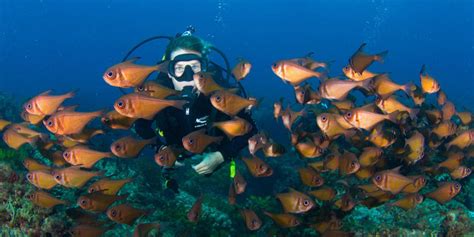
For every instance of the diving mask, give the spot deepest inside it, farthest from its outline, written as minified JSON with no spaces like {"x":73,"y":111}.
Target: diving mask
{"x":183,"y":67}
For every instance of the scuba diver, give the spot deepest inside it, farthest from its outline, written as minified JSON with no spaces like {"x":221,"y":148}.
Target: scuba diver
{"x":188,"y":55}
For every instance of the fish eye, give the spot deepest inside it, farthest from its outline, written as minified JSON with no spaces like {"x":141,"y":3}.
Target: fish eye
{"x":28,"y":176}
{"x":254,"y":222}
{"x":50,"y":123}
{"x":83,"y":202}
{"x":274,"y":65}
{"x":349,"y":114}
{"x":106,"y":120}
{"x":118,"y":147}
{"x":419,"y":198}
{"x":29,"y":106}
{"x":120,"y":104}
{"x":457,"y":186}
{"x":110,"y":74}
{"x":324,"y":118}
{"x":191,"y":141}
{"x":218,"y":98}
{"x":140,"y":88}
{"x":306,"y":202}
{"x":113,"y":213}
{"x":57,"y":177}
{"x":353,"y":164}
{"x":378,"y":178}
{"x":91,"y":190}
{"x":66,"y":154}
{"x":161,"y":158}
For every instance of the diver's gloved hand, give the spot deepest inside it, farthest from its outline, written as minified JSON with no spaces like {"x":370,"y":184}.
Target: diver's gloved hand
{"x":210,"y":161}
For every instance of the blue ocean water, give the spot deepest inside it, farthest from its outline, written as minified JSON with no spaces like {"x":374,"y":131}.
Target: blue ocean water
{"x":65,"y":45}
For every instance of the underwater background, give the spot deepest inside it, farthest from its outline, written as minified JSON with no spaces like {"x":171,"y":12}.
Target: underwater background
{"x":67,"y":45}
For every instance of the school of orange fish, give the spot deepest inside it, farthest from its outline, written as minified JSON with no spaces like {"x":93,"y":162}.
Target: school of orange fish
{"x":393,"y":144}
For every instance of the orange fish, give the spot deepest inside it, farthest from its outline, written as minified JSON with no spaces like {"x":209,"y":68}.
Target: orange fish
{"x":129,"y":147}
{"x":445,"y":192}
{"x":382,"y":137}
{"x":85,"y":135}
{"x":231,"y":104}
{"x":73,"y":177}
{"x":417,"y":95}
{"x":463,"y":140}
{"x":128,"y":74}
{"x":428,"y":84}
{"x":15,"y":140}
{"x":115,"y":120}
{"x":234,"y":127}
{"x":257,"y":142}
{"x":391,"y":104}
{"x":277,"y":108}
{"x":332,"y":161}
{"x":98,"y":201}
{"x":82,"y":156}
{"x":327,"y":225}
{"x":453,"y":161}
{"x":435,"y":116}
{"x":108,"y":186}
{"x":242,"y":69}
{"x":27,"y":132}
{"x":360,"y":61}
{"x":155,"y":90}
{"x":197,"y":141}
{"x":461,"y":172}
{"x":295,"y":202}
{"x":346,"y":203}
{"x":284,"y":220}
{"x":239,"y":182}
{"x":442,"y":98}
{"x":391,"y":180}
{"x":348,"y":164}
{"x":66,"y":142}
{"x":369,"y":188}
{"x":308,"y":62}
{"x":445,"y":129}
{"x":67,"y":123}
{"x":288,"y":117}
{"x":370,"y":156}
{"x":384,"y":86}
{"x":418,"y":183}
{"x":448,"y":110}
{"x":41,"y":179}
{"x":310,"y":178}
{"x":195,"y":211}
{"x":125,"y":214}
{"x":408,"y":202}
{"x":336,"y":89}
{"x":251,"y":219}
{"x":143,"y":229}
{"x":136,"y":105}
{"x":294,"y":73}
{"x":332,"y":125}
{"x":257,"y":167}
{"x":87,"y":230}
{"x":4,"y":124}
{"x":305,"y":95}
{"x":365,"y":173}
{"x":33,"y":165}
{"x":273,"y":149}
{"x":465,"y":117}
{"x":166,"y":156}
{"x":56,"y":157}
{"x":46,"y":104}
{"x":416,"y":145}
{"x":343,"y":105}
{"x":324,"y":193}
{"x":32,"y":119}
{"x":205,"y":83}
{"x":363,"y":119}
{"x":308,"y":149}
{"x":45,"y":200}
{"x":351,"y":74}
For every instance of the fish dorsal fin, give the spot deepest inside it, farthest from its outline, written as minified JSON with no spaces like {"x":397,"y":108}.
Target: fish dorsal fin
{"x":131,"y":60}
{"x":396,"y":169}
{"x":45,"y":93}
{"x":292,"y":190}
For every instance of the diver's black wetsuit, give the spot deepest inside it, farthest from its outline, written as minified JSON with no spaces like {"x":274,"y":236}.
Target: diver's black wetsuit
{"x":197,"y":114}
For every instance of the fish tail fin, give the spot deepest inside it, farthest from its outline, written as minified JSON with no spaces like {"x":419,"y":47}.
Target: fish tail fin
{"x":394,"y":116}
{"x":162,"y":66}
{"x":32,"y":141}
{"x":366,"y":84}
{"x":380,"y":57}
{"x":179,"y":104}
{"x":98,"y":113}
{"x":323,"y":76}
{"x":71,"y":94}
{"x":423,"y":69}
{"x":413,"y":112}
{"x":122,"y":197}
{"x":255,"y":103}
{"x":408,"y":88}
